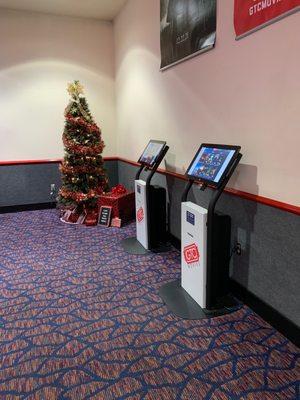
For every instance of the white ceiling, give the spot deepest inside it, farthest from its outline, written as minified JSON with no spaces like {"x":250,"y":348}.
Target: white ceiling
{"x":100,"y":9}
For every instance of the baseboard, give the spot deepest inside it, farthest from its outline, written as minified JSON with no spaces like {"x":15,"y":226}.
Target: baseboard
{"x":27,"y":207}
{"x":285,"y":326}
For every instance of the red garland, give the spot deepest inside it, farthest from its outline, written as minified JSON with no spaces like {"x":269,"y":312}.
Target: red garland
{"x":83,"y":150}
{"x":81,"y":122}
{"x":80,"y":196}
{"x":69,"y":170}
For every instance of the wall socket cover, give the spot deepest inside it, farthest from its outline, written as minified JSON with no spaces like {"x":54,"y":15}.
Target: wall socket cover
{"x":242,"y":238}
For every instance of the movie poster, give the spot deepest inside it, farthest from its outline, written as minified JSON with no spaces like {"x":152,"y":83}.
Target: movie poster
{"x":187,"y":28}
{"x":251,"y":15}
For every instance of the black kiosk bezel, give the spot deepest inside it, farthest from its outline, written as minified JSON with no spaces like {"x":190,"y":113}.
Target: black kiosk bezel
{"x":175,"y":297}
{"x":209,"y":182}
{"x":151,"y":165}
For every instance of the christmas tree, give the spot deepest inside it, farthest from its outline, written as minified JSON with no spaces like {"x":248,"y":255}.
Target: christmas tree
{"x":83,"y":175}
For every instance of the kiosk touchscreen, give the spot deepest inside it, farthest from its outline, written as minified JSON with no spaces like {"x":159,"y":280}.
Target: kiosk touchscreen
{"x":205,"y":239}
{"x":151,"y":153}
{"x":211,"y":163}
{"x":150,"y":203}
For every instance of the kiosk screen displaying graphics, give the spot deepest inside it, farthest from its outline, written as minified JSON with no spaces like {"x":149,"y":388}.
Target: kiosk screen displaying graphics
{"x":212,"y":162}
{"x":151,"y":152}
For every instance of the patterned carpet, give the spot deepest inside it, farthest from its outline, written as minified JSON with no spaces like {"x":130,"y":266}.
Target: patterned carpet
{"x":80,"y":319}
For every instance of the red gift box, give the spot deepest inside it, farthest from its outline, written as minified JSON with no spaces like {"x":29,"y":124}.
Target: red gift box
{"x":91,"y":218}
{"x":123,"y":205}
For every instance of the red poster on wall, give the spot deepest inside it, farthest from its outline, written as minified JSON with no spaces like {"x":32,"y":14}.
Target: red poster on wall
{"x":250,"y":15}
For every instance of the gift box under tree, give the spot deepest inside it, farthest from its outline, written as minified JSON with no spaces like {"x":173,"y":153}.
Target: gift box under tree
{"x":121,"y":201}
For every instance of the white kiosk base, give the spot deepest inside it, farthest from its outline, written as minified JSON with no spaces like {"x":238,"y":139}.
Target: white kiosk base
{"x":139,"y":245}
{"x":193,"y":251}
{"x":187,"y":298}
{"x":141,"y":213}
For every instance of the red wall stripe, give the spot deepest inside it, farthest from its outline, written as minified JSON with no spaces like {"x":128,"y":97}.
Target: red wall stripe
{"x":24,"y":162}
{"x":239,"y":193}
{"x":244,"y":195}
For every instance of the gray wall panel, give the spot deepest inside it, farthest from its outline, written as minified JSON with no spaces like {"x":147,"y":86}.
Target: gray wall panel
{"x":30,"y":183}
{"x":269,"y":266}
{"x":112,"y":168}
{"x":27,"y":184}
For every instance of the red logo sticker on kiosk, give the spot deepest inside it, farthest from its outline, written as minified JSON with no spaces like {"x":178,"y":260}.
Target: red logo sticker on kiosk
{"x":140,"y":214}
{"x":191,"y":254}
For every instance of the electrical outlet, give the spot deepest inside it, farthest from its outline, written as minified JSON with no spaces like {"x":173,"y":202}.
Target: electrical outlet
{"x":52,"y":191}
{"x":241,"y":238}
{"x":238,"y":249}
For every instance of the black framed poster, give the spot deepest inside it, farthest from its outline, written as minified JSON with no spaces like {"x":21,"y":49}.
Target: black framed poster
{"x":187,"y":28}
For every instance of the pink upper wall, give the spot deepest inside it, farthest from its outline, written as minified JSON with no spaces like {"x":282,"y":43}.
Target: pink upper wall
{"x":39,"y":55}
{"x":245,"y":92}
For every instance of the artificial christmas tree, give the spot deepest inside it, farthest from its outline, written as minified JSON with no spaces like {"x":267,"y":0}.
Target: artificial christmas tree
{"x":83,"y":175}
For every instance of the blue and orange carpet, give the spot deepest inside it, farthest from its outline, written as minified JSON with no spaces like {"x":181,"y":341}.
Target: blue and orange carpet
{"x":80,"y":319}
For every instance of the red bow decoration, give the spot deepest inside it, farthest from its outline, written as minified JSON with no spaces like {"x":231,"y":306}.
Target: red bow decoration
{"x":119,"y":189}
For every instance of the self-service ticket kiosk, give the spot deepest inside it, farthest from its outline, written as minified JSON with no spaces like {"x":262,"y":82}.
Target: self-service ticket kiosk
{"x":205,"y":240}
{"x":150,"y":203}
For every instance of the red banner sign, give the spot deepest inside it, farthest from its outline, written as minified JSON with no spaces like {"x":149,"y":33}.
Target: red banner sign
{"x":191,"y":254}
{"x":251,"y":15}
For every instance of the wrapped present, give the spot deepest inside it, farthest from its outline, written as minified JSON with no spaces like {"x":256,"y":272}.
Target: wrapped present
{"x":91,"y":218}
{"x":123,"y":204}
{"x":116,"y":222}
{"x":119,"y":189}
{"x":69,"y":216}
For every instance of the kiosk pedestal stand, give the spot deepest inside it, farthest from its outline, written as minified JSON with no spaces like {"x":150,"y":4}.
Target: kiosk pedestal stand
{"x":205,"y":241}
{"x":150,"y":202}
